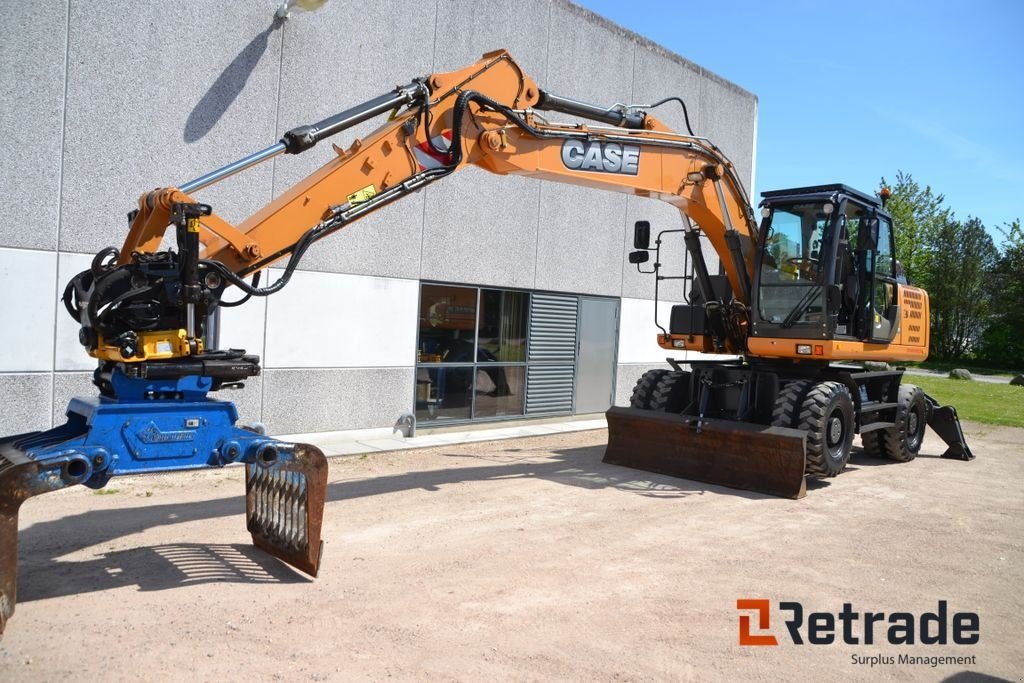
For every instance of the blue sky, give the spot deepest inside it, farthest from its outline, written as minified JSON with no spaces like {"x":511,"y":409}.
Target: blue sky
{"x":851,"y":92}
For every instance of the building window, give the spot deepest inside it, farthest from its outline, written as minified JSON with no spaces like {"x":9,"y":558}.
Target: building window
{"x":486,"y":353}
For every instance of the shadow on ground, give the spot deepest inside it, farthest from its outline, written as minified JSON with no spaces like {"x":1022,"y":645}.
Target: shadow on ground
{"x":160,"y":567}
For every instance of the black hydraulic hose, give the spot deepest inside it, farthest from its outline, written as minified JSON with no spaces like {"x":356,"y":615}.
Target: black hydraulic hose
{"x":255,"y":284}
{"x":686,"y":114}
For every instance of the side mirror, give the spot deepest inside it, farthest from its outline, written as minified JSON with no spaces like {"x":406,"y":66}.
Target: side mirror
{"x":639,"y":257}
{"x":641,"y":237}
{"x":867,"y":237}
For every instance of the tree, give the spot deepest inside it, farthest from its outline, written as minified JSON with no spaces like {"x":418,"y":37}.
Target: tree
{"x":961,"y":258}
{"x":917,"y":216}
{"x":1002,"y":343}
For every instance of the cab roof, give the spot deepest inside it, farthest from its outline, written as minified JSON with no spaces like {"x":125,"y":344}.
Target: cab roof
{"x":823,"y":190}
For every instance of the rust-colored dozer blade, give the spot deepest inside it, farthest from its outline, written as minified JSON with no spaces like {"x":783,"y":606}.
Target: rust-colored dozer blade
{"x":739,"y":455}
{"x":284,"y":504}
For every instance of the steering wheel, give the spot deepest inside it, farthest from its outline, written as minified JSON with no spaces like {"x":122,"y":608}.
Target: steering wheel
{"x":804,"y":265}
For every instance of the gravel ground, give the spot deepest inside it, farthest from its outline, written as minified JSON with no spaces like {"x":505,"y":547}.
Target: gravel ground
{"x":525,"y":559}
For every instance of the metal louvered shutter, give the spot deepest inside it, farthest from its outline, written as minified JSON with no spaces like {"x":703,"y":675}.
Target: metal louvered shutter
{"x":552,"y":354}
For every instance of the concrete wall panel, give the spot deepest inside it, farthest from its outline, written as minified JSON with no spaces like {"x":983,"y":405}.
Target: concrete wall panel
{"x":67,"y":385}
{"x":27,"y":406}
{"x":158,"y":94}
{"x":481,"y":228}
{"x":728,"y":120}
{"x":579,"y":242}
{"x":32,"y":49}
{"x":334,"y":320}
{"x":658,"y":74}
{"x":466,"y":29}
{"x":28,"y":304}
{"x":638,"y":334}
{"x":336,"y":59}
{"x":298,"y":401}
{"x":70,"y":355}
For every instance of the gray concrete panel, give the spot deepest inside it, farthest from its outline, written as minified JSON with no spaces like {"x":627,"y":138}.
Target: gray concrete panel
{"x":66,"y":386}
{"x":658,"y":74}
{"x":27,"y":402}
{"x":335,"y":59}
{"x":662,"y":216}
{"x":481,"y":228}
{"x":318,"y":400}
{"x":158,"y":94}
{"x":588,"y":59}
{"x":248,"y":400}
{"x":32,"y":41}
{"x":579,"y":244}
{"x":466,"y":29}
{"x":728,"y":116}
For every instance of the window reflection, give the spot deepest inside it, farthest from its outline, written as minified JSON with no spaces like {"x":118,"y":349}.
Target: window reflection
{"x":502,"y":326}
{"x":500,"y":390}
{"x":444,"y":393}
{"x":480,"y":338}
{"x":447,"y":324}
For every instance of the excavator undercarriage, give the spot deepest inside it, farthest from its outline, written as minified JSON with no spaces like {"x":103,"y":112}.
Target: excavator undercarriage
{"x":766,"y":429}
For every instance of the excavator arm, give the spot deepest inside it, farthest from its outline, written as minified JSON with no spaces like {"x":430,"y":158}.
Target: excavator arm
{"x":486,"y":115}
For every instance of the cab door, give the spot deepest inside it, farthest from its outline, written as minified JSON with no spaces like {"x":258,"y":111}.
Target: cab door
{"x":883,"y":307}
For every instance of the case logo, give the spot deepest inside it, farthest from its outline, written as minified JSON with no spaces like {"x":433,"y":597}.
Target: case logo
{"x":601,"y":157}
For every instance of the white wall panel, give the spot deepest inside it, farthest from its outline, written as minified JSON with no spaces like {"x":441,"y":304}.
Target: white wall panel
{"x":70,"y":355}
{"x":335,"y":320}
{"x":638,"y":335}
{"x":27,"y":304}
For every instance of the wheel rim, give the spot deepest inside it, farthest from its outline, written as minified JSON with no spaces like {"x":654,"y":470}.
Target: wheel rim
{"x":835,"y":435}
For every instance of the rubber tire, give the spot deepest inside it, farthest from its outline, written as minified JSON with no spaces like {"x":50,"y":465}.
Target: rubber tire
{"x":901,"y":442}
{"x":787,"y":403}
{"x":825,"y":403}
{"x":672,"y":393}
{"x":644,"y":389}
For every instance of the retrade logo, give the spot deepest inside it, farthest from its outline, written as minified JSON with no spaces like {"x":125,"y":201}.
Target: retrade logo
{"x":854,"y":627}
{"x":764,"y":617}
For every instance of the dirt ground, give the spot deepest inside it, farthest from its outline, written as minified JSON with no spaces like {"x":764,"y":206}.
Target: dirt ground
{"x":526,"y":560}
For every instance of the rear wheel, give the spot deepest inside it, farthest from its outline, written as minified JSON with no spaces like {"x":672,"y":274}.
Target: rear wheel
{"x":901,"y":442}
{"x":644,"y":389}
{"x":672,"y":393}
{"x":826,"y":414}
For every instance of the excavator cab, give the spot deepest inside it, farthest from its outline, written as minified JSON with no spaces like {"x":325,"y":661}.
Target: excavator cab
{"x":826,"y":267}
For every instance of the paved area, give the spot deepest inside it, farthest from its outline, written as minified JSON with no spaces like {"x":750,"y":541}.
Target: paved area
{"x":524,"y":559}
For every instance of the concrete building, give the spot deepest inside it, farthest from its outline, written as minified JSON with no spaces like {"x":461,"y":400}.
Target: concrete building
{"x":478,"y":297}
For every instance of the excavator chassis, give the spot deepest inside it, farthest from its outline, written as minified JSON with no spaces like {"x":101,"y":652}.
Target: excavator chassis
{"x":104,"y":437}
{"x":751,"y":442}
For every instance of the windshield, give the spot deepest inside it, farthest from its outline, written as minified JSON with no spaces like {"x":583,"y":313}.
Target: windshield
{"x":792,"y":271}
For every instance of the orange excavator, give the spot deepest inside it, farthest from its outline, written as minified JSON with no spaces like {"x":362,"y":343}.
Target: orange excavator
{"x":813,"y":283}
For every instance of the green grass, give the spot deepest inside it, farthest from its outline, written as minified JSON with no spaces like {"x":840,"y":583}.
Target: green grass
{"x":998,"y":404}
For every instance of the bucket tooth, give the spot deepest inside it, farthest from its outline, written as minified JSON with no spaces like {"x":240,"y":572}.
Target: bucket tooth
{"x":739,"y":455}
{"x":285,"y":491}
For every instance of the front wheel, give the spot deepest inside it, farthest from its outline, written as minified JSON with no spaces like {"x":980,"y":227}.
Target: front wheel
{"x":826,"y":414}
